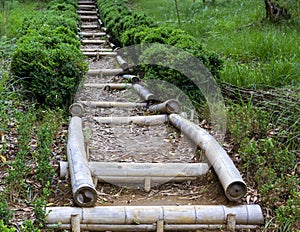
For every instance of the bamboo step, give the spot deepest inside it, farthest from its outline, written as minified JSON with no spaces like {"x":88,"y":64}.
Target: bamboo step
{"x":98,"y":54}
{"x":93,"y":34}
{"x":86,"y":7}
{"x":104,"y":72}
{"x":109,"y":86}
{"x":87,"y":12}
{"x":91,"y":41}
{"x":101,"y":104}
{"x":88,"y":17}
{"x":138,"y":120}
{"x":89,"y":26}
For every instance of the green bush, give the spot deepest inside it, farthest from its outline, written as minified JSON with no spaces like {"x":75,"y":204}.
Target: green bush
{"x":48,"y":61}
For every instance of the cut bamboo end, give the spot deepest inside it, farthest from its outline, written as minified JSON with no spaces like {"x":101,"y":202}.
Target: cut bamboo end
{"x":169,"y":107}
{"x":132,"y":78}
{"x":104,"y":72}
{"x":76,"y":109}
{"x":109,"y":86}
{"x":139,"y":120}
{"x":230,"y":178}
{"x":93,"y":104}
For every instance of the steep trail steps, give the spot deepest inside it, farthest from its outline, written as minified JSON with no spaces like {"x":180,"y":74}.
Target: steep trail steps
{"x":135,"y":162}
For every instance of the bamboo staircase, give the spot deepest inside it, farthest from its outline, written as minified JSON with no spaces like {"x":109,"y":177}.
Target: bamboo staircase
{"x":86,"y":174}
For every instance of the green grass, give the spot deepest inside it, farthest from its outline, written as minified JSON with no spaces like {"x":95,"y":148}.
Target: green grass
{"x":257,"y":55}
{"x":261,"y":56}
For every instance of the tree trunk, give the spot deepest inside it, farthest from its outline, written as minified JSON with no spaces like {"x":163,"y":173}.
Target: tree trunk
{"x":275,"y":13}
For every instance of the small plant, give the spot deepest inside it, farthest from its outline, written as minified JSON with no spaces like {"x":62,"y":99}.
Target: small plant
{"x":4,"y":228}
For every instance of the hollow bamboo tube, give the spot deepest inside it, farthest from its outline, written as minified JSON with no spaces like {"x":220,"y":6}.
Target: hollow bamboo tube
{"x":139,"y":120}
{"x":117,"y":169}
{"x":94,"y":104}
{"x":121,"y":61}
{"x":171,"y":215}
{"x":230,"y":178}
{"x":132,"y":78}
{"x":83,"y":190}
{"x":144,"y":92}
{"x":104,"y":72}
{"x":109,"y":86}
{"x":76,"y":109}
{"x":169,"y":107}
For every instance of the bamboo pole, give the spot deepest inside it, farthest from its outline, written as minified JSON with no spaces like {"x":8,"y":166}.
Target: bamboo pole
{"x":88,"y":17}
{"x":96,"y":50}
{"x":144,"y":92}
{"x":182,"y":227}
{"x":92,"y":12}
{"x":139,"y":120}
{"x":171,"y":215}
{"x":121,"y":61}
{"x":132,"y":78}
{"x":230,"y":178}
{"x":168,"y":107}
{"x":89,"y":27}
{"x":126,"y":170}
{"x":94,"y":104}
{"x":100,"y":53}
{"x":93,"y":41}
{"x":104,"y":72}
{"x":109,"y":86}
{"x":83,"y":190}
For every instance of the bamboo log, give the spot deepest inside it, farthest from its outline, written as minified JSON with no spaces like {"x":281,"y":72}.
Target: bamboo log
{"x":94,"y":104}
{"x":96,"y":50}
{"x":104,"y":72}
{"x":85,"y":6}
{"x":93,"y":34}
{"x":99,"y":53}
{"x":76,"y":109}
{"x":132,"y":78}
{"x":84,"y":193}
{"x":168,"y":107}
{"x":144,"y":92}
{"x":109,"y":86}
{"x":89,"y":27}
{"x":171,"y":215}
{"x":93,"y":41}
{"x":121,"y":61}
{"x":182,"y":227}
{"x":88,"y":17}
{"x":87,"y":12}
{"x":139,"y":120}
{"x":230,"y":178}
{"x":117,"y":169}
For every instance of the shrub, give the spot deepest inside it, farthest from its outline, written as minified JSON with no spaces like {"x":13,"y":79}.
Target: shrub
{"x":48,"y":62}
